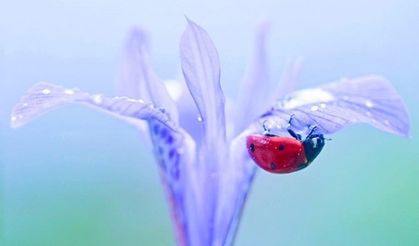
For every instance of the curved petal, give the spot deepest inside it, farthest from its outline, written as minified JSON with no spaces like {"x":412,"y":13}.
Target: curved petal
{"x":138,"y":80}
{"x":255,"y":88}
{"x":173,"y":148}
{"x":175,"y":154}
{"x":43,"y":97}
{"x":337,"y":105}
{"x":201,"y":69}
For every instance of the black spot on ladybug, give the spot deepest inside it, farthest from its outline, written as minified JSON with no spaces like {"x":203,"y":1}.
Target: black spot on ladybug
{"x":281,"y":147}
{"x":273,"y":166}
{"x":252,"y":147}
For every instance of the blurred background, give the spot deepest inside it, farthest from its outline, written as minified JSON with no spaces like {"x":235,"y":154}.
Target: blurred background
{"x":79,"y":177}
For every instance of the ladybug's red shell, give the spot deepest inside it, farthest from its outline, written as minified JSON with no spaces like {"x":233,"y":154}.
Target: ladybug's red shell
{"x":277,"y":154}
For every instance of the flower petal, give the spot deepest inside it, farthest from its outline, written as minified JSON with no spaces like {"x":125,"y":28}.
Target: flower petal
{"x":173,"y":148}
{"x":289,"y":77}
{"x":43,"y":97}
{"x":255,"y":88}
{"x":138,"y":79}
{"x":201,"y":69}
{"x":334,"y":106}
{"x":188,"y":113}
{"x":175,"y":154}
{"x":235,"y":179}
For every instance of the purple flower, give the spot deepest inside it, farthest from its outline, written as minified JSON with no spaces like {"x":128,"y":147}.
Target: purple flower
{"x":200,"y":150}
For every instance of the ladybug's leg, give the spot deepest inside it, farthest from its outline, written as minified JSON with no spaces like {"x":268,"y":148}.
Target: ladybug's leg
{"x":294,"y":134}
{"x":312,"y":130}
{"x":265,"y":129}
{"x":291,"y":118}
{"x":290,"y":131}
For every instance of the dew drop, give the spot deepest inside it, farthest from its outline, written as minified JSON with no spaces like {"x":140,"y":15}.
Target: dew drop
{"x":46,"y":91}
{"x":97,"y":99}
{"x":369,"y":104}
{"x":69,"y":92}
{"x":314,"y":108}
{"x":199,"y":118}
{"x":323,"y":105}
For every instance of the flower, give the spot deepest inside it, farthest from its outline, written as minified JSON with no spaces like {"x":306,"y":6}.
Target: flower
{"x":202,"y":158}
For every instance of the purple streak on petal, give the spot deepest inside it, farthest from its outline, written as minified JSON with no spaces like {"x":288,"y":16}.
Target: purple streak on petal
{"x":43,"y":97}
{"x":174,"y":149}
{"x":175,"y":154}
{"x":334,"y":106}
{"x":255,"y":88}
{"x":201,"y":69}
{"x":138,"y":80}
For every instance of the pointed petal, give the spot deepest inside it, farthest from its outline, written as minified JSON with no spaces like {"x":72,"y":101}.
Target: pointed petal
{"x":138,"y":79}
{"x":255,"y":88}
{"x":337,"y":105}
{"x":43,"y":97}
{"x":201,"y":69}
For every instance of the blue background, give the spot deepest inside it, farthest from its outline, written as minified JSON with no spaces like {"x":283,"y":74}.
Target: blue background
{"x":78,"y":177}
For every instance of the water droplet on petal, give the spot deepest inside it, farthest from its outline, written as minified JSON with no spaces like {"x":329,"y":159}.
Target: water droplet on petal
{"x":97,"y":99}
{"x":369,"y":104}
{"x":46,"y":91}
{"x":314,"y":108}
{"x":69,"y":92}
{"x":199,"y":118}
{"x":323,"y":105}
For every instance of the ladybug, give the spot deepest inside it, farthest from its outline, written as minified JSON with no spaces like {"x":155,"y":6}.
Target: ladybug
{"x":282,"y":154}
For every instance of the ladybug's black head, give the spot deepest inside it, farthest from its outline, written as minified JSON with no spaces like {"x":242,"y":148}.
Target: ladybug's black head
{"x":313,"y":144}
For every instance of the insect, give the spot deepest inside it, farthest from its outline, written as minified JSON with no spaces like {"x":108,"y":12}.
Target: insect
{"x":283,"y":154}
